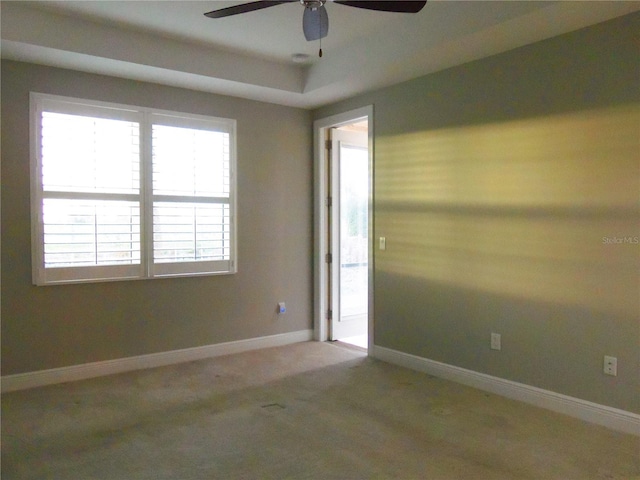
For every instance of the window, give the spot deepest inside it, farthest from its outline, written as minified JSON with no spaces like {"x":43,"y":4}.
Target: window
{"x":122,"y":192}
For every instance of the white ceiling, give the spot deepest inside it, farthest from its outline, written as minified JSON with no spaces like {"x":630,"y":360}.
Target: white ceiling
{"x":249,"y":55}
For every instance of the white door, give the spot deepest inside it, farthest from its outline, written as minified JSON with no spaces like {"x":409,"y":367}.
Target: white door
{"x":349,"y":233}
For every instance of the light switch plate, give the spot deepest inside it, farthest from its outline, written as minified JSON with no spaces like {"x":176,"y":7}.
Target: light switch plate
{"x":496,"y":341}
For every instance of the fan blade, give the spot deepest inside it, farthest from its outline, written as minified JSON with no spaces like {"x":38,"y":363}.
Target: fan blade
{"x":244,"y":8}
{"x":386,"y":6}
{"x":315,"y":23}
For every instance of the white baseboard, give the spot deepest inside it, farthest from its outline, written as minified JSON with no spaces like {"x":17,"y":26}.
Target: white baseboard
{"x":40,"y":378}
{"x":613,"y":418}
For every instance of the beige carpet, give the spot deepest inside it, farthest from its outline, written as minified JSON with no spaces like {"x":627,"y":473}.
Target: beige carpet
{"x":304,"y":411}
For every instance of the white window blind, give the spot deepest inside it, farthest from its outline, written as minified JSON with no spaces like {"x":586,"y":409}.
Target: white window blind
{"x":191,"y":197}
{"x":190,"y":232}
{"x":121,"y":192}
{"x":90,"y":232}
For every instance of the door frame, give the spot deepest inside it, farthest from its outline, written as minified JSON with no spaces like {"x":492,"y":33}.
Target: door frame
{"x":321,"y":246}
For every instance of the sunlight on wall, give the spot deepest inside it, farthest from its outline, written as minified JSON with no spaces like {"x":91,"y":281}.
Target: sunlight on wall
{"x":542,"y":208}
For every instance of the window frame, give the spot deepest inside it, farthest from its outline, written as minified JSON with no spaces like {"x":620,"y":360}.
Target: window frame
{"x":146,"y":118}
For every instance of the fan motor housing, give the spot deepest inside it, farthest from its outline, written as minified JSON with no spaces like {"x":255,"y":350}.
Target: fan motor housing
{"x":312,"y":4}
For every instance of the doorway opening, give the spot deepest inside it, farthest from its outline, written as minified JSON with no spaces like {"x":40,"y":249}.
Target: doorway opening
{"x":349,"y":173}
{"x":344,"y":274}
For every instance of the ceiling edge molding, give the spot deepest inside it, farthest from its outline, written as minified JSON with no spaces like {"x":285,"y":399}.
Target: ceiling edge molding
{"x":90,"y":39}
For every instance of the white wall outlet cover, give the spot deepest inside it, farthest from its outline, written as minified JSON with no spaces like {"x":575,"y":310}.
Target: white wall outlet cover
{"x":282,"y":308}
{"x":610,"y":365}
{"x":383,"y":243}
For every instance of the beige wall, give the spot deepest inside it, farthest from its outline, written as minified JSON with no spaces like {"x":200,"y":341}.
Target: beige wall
{"x":55,"y":326}
{"x":497,"y":185}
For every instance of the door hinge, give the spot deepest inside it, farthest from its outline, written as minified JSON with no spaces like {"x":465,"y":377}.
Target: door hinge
{"x":328,"y":258}
{"x":327,"y":144}
{"x":329,"y":314}
{"x":329,"y":201}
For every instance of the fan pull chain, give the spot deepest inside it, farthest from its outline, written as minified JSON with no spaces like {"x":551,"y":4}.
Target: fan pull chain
{"x":320,"y":35}
{"x":320,"y":32}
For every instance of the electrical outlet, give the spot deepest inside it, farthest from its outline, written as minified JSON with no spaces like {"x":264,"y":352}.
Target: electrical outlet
{"x":496,"y":343}
{"x":610,"y":365}
{"x":383,"y":243}
{"x":282,"y":308}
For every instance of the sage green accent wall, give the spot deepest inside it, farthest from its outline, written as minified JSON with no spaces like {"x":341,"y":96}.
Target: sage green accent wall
{"x":56,"y":326}
{"x":507,"y":190}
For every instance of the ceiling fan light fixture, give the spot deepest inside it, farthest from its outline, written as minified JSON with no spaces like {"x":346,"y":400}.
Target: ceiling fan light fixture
{"x":315,"y":23}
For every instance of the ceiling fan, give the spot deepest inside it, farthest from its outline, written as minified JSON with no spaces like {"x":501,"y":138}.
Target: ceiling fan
{"x":315,"y":22}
